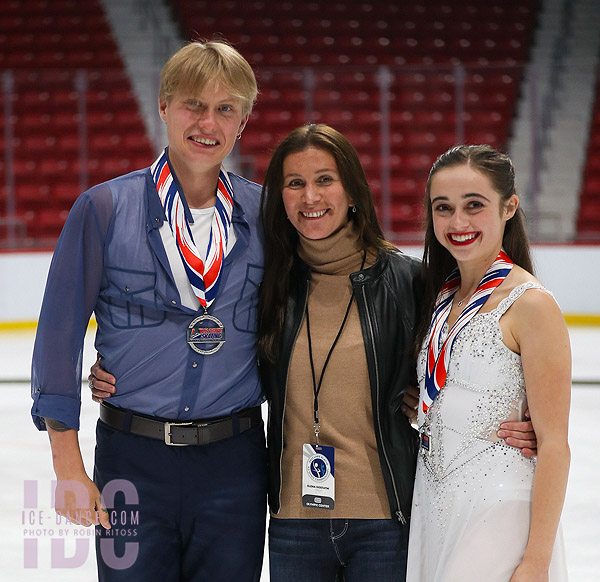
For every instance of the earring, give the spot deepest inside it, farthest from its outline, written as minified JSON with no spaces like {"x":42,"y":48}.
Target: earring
{"x":354,"y":209}
{"x":239,"y":135}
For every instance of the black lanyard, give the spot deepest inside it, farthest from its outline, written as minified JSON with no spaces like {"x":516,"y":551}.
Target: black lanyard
{"x":317,"y":387}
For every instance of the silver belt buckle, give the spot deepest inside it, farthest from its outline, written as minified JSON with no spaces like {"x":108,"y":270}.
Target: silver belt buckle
{"x":168,"y":426}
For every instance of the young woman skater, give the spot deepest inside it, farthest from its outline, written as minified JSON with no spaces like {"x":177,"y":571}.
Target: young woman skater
{"x":493,"y":342}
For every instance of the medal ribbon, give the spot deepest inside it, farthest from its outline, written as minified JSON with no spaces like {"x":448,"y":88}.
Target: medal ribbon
{"x":204,"y":274}
{"x":438,"y":352}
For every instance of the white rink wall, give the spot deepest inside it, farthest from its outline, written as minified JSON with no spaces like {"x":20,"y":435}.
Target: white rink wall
{"x":572,"y":273}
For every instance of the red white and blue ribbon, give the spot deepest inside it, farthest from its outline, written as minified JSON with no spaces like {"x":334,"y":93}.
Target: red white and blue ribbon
{"x":438,"y":351}
{"x":203,"y":272}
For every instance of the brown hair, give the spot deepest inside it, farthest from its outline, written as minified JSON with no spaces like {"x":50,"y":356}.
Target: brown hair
{"x":199,"y":64}
{"x":438,"y":263}
{"x":281,"y":238}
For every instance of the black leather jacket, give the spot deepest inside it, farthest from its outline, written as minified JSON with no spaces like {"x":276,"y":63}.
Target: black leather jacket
{"x":388,"y":298}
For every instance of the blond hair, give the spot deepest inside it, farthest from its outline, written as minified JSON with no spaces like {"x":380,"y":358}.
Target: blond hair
{"x":203,"y":64}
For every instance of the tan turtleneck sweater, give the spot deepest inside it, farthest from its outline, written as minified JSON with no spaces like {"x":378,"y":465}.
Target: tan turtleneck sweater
{"x":345,"y":410}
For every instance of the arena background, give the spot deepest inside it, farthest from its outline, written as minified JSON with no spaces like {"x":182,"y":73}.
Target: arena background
{"x":404,"y":81}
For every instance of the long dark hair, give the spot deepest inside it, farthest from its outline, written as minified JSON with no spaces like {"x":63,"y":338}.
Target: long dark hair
{"x":438,"y":263}
{"x":281,"y":238}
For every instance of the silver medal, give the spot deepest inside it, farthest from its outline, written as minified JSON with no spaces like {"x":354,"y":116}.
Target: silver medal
{"x":206,"y":330}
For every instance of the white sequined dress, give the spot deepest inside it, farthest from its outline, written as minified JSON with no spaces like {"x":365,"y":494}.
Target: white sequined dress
{"x":472,"y":500}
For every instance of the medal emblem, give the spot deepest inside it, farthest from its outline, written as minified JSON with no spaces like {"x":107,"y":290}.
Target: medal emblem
{"x":206,"y":334}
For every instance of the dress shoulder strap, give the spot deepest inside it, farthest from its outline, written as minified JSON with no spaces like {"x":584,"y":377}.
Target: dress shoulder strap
{"x":515,"y":294}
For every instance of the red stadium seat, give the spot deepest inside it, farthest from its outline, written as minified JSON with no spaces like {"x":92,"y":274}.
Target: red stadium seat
{"x":36,"y":37}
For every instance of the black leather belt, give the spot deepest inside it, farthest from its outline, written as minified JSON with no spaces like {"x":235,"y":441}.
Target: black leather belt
{"x":195,"y":432}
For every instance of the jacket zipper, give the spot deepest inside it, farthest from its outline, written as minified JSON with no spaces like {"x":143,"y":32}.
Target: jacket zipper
{"x":398,"y":512}
{"x":287,"y":373}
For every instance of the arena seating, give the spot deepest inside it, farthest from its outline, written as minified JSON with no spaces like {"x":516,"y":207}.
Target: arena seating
{"x":344,"y":43}
{"x":74,"y":119}
{"x":588,"y":222}
{"x":52,"y":47}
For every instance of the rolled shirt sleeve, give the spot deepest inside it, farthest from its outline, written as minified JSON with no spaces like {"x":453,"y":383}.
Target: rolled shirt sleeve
{"x":72,"y":289}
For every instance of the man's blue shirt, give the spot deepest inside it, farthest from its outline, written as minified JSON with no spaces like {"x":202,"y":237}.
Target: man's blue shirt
{"x":110,"y":261}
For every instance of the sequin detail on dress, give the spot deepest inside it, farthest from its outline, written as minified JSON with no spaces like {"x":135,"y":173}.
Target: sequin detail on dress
{"x":471,"y":505}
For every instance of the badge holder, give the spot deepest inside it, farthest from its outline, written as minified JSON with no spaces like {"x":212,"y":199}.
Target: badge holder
{"x":318,"y":474}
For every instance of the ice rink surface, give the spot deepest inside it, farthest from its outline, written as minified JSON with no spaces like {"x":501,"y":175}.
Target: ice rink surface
{"x":31,"y":539}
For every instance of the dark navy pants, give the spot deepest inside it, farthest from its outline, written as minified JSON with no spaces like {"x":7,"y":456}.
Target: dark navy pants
{"x":194,"y":513}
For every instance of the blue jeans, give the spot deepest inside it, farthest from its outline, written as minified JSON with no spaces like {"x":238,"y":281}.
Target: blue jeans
{"x":334,"y":550}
